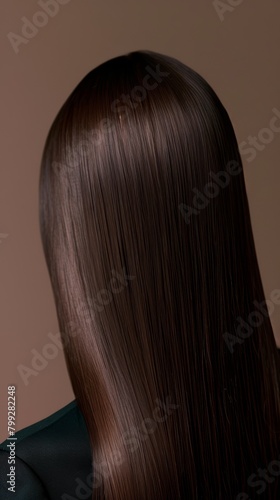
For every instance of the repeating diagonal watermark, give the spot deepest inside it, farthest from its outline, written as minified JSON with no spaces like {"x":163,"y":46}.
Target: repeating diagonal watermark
{"x":30,"y":28}
{"x":261,"y":479}
{"x":105,"y":295}
{"x":131,"y":440}
{"x":123,"y":106}
{"x":245,"y":329}
{"x":222,"y":8}
{"x":259,"y":142}
{"x":222,"y":179}
{"x":40,"y":359}
{"x":211,"y":190}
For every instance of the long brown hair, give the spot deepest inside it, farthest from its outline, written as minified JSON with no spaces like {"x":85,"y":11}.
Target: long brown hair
{"x":147,"y":235}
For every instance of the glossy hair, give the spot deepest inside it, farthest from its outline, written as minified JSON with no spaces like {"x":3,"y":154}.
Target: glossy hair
{"x":147,"y":236}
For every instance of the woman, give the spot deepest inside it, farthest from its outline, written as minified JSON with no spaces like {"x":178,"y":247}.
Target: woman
{"x":147,"y":235}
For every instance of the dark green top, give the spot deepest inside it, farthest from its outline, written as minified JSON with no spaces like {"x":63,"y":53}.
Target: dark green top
{"x":53,"y":459}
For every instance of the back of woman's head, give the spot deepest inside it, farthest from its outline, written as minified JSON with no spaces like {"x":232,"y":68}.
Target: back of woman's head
{"x":147,"y":235}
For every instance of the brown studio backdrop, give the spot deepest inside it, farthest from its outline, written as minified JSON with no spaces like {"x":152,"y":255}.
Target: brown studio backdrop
{"x":236,"y":50}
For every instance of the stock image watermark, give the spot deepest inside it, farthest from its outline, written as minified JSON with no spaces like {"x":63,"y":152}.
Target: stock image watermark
{"x":261,"y":479}
{"x":223,"y":8}
{"x":211,"y":190}
{"x":11,"y":445}
{"x":31,"y":27}
{"x":123,"y":107}
{"x":245,"y":329}
{"x":104,"y":296}
{"x":131,"y":440}
{"x":40,"y":359}
{"x":259,"y":142}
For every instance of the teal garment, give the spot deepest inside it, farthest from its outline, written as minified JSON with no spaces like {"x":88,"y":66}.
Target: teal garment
{"x":52,"y":459}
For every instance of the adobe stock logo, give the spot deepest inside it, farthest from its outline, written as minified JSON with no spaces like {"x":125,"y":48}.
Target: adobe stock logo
{"x":123,"y":107}
{"x":131,"y":440}
{"x":41,"y":358}
{"x":266,"y":135}
{"x":30,"y":28}
{"x":223,"y":7}
{"x":245,"y":329}
{"x":211,"y":190}
{"x":262,"y":479}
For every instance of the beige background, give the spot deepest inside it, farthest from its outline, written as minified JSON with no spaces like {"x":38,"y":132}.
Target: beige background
{"x":239,"y":56}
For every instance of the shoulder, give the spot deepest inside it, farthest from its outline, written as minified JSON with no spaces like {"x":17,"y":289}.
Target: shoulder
{"x":47,"y":456}
{"x":51,"y":424}
{"x":18,"y":480}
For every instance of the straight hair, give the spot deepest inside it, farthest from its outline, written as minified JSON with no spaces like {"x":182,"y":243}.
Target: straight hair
{"x":147,"y":236}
